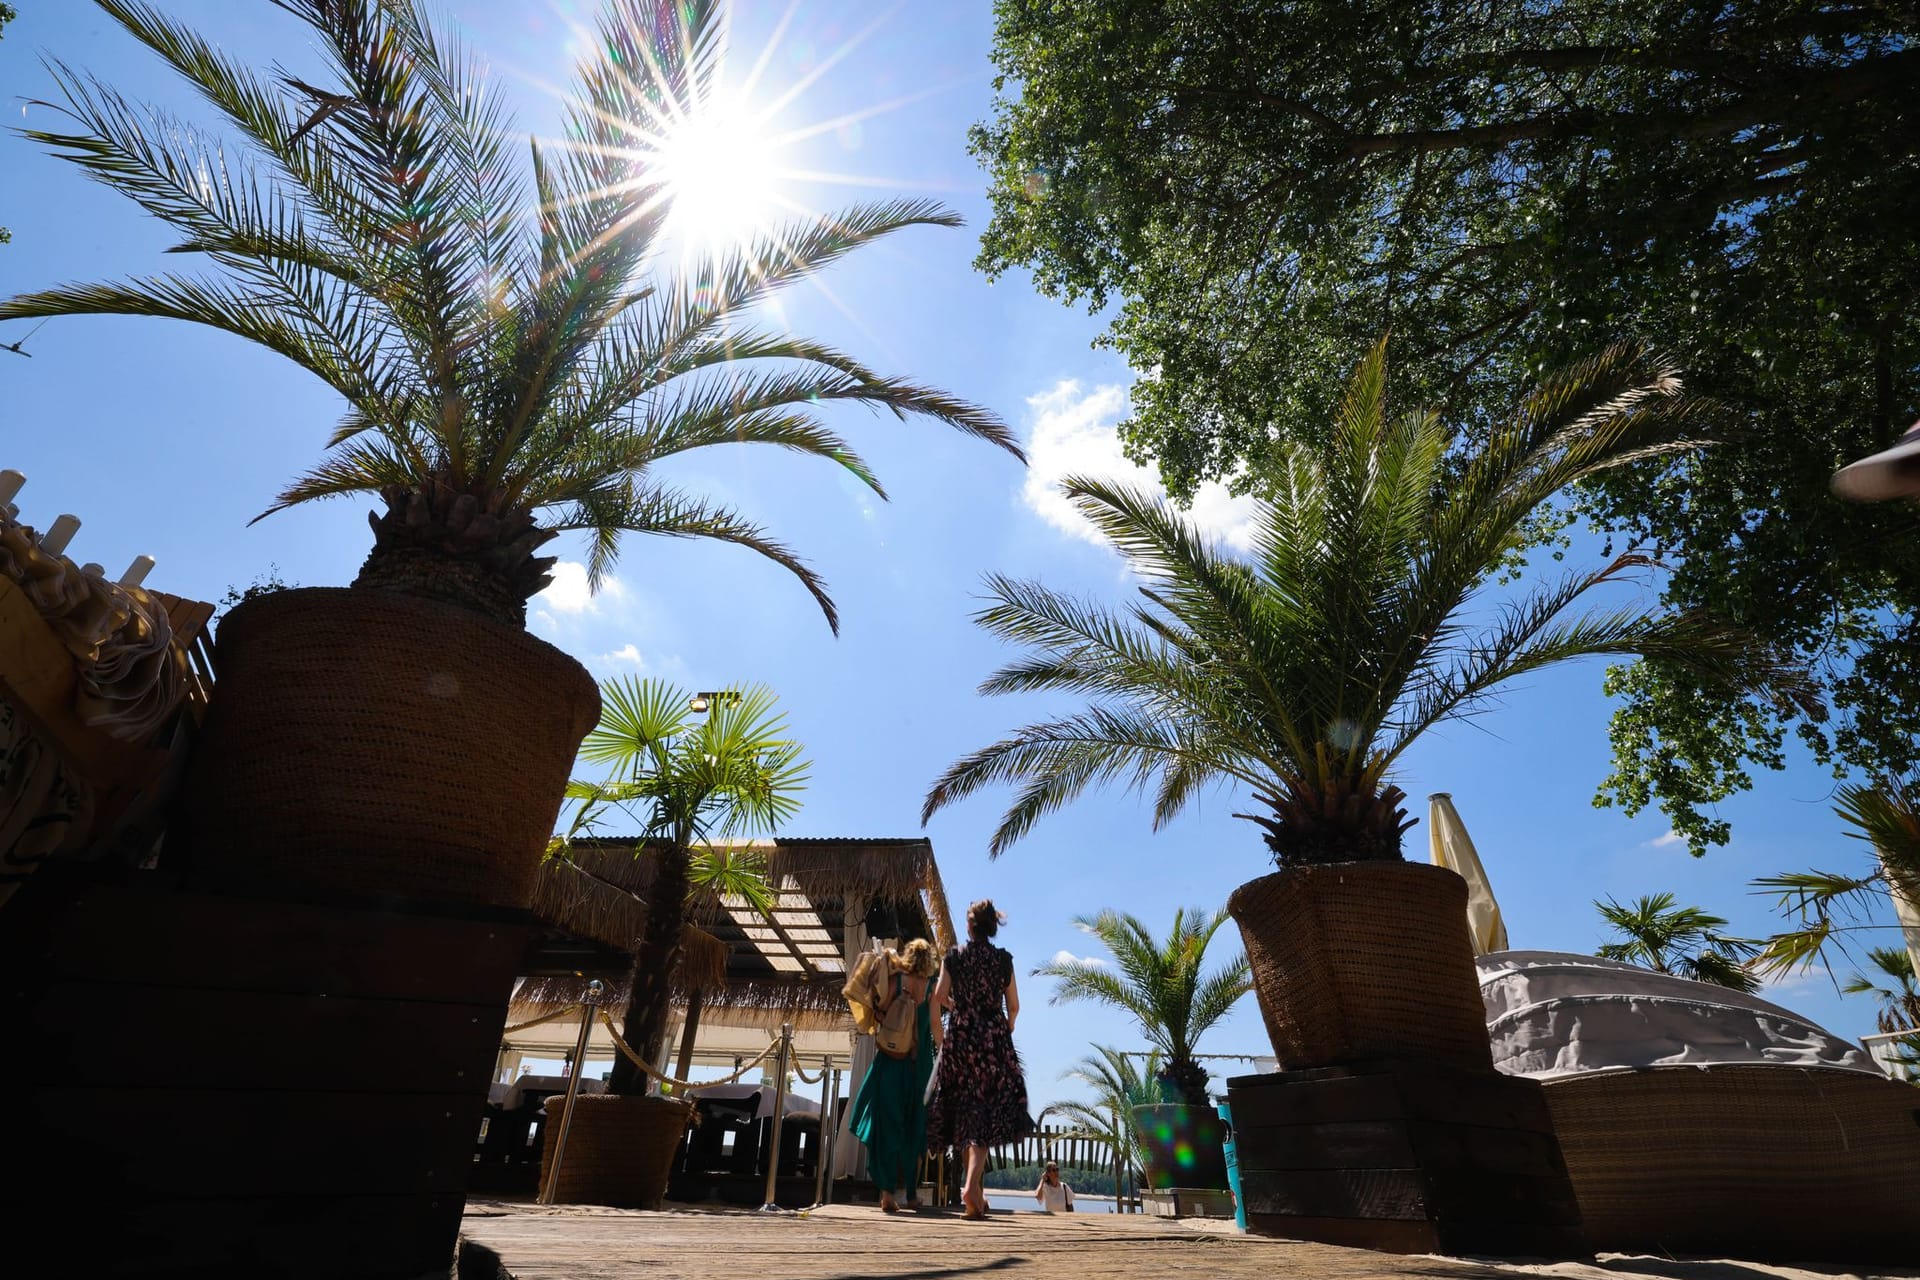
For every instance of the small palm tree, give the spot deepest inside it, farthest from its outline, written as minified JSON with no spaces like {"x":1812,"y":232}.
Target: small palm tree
{"x":509,"y":367}
{"x":1900,"y":1000}
{"x":1305,"y":670}
{"x":696,"y":783}
{"x":1829,"y":904}
{"x":1161,"y":984}
{"x":1118,"y":1087}
{"x":1684,"y":941}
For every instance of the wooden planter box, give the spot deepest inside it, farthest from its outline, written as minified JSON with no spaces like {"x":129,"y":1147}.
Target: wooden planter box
{"x":221,"y":1086}
{"x":1406,"y":1157}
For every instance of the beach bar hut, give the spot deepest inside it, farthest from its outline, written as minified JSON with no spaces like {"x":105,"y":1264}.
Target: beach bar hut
{"x":744,"y":976}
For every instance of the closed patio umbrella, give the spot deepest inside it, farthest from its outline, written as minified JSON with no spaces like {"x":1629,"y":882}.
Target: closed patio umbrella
{"x":1453,"y":849}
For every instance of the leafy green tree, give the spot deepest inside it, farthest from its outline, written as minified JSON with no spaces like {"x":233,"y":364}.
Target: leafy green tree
{"x":1161,"y":984}
{"x":1305,"y":671}
{"x":510,"y":369}
{"x":696,"y":782}
{"x":1505,"y":185}
{"x":1685,"y":941}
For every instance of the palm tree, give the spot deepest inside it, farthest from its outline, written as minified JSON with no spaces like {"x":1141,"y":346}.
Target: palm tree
{"x":1161,"y":985}
{"x":1118,"y":1087}
{"x":1830,"y":904}
{"x":1900,"y":1001}
{"x":696,"y":783}
{"x":1304,"y":670}
{"x":510,"y":367}
{"x":1686,"y":941}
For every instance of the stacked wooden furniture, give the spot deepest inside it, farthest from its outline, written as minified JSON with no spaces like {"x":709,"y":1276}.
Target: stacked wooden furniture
{"x":223,"y":1086}
{"x":1409,"y":1157}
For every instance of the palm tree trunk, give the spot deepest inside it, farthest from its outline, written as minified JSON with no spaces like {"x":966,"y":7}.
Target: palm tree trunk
{"x":442,"y":543}
{"x":651,"y":1000}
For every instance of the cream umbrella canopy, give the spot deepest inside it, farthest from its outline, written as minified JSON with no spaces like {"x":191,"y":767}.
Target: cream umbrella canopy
{"x":1453,"y":849}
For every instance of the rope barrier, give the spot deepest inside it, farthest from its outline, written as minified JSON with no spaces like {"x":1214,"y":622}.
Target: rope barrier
{"x":650,"y":1069}
{"x":800,"y":1071}
{"x":534,"y":1022}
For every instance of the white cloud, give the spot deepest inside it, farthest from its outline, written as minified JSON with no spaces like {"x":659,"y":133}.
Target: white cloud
{"x":1074,"y":434}
{"x":1063,"y":956}
{"x":568,"y":593}
{"x":1666,"y":841}
{"x":627,"y":655}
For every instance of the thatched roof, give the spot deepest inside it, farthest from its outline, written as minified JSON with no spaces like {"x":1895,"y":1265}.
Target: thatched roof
{"x":789,"y":968}
{"x":855,"y":870}
{"x":809,"y":1005}
{"x":567,"y":896}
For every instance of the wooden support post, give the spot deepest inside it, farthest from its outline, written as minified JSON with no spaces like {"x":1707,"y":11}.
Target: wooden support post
{"x":688,"y":1034}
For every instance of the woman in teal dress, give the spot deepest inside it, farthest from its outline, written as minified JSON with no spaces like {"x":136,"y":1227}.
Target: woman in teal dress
{"x":890,"y":1111}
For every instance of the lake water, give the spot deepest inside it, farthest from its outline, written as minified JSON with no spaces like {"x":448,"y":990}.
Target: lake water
{"x":1023,"y":1202}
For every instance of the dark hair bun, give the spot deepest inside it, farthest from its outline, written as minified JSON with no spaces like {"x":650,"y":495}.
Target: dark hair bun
{"x":984,"y":920}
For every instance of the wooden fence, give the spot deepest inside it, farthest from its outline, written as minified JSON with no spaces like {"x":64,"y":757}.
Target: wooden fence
{"x":1063,"y":1143}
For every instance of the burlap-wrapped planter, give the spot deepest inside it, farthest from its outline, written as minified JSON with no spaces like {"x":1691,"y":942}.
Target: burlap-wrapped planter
{"x":619,"y":1150}
{"x":1359,"y":961}
{"x":382,"y":745}
{"x":1758,"y":1162}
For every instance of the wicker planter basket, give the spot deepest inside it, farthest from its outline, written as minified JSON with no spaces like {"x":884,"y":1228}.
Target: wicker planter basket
{"x":1755,"y":1162}
{"x":382,"y":745}
{"x":1364,"y":960}
{"x":619,"y":1150}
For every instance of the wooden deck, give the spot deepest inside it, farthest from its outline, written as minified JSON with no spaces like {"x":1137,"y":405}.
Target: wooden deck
{"x":842,"y":1242}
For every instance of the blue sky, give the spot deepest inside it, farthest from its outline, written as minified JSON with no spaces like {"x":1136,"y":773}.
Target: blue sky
{"x":167,"y":440}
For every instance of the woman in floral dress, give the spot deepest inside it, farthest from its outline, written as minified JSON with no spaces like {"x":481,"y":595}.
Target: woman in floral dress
{"x":979,"y":1092}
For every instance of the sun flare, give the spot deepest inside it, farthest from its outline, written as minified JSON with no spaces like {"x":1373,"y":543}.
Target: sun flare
{"x":720,"y":177}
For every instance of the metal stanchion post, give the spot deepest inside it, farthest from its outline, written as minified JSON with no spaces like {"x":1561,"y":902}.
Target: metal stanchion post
{"x":779,"y":1114}
{"x":833,"y":1134}
{"x":820,"y":1138}
{"x":588,"y":1004}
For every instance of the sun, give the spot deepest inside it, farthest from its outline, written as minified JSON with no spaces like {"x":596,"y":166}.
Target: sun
{"x":719,"y":172}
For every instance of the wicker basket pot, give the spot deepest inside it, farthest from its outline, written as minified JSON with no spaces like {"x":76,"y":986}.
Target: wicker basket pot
{"x":1181,"y":1146}
{"x":1364,"y":960}
{"x":619,"y":1150}
{"x":382,"y":745}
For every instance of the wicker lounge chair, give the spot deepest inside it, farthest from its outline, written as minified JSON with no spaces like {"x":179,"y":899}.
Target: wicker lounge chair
{"x":1759,"y":1136}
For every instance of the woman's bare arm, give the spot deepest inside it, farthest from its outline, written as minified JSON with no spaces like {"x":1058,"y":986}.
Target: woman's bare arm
{"x":1013,"y":1001}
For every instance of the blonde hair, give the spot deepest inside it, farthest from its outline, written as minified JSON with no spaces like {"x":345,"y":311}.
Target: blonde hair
{"x":918,"y":959}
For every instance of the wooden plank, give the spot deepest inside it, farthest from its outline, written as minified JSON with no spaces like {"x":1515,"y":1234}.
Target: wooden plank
{"x":1352,"y":1144}
{"x":1354,"y":1233}
{"x":1388,"y":1092}
{"x":91,"y":1034}
{"x":151,"y":934}
{"x":211,"y":1143}
{"x":1439,"y":1146}
{"x":1390,"y":1194}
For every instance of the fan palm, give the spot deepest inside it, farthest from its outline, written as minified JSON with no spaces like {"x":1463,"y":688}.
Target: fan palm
{"x":1829,"y":904}
{"x":1305,"y":670}
{"x":511,"y":367}
{"x":1161,"y":984}
{"x":1118,"y":1087}
{"x":1686,"y":941}
{"x":696,"y":783}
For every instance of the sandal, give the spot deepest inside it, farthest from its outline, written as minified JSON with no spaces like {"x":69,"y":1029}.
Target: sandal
{"x":887,"y":1205}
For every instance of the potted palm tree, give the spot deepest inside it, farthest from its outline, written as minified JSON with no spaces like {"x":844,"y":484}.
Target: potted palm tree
{"x":1119,"y":1084}
{"x":513,"y":351}
{"x":1685,"y":941}
{"x":697,"y":781}
{"x":1161,"y":984}
{"x":1304,"y":670}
